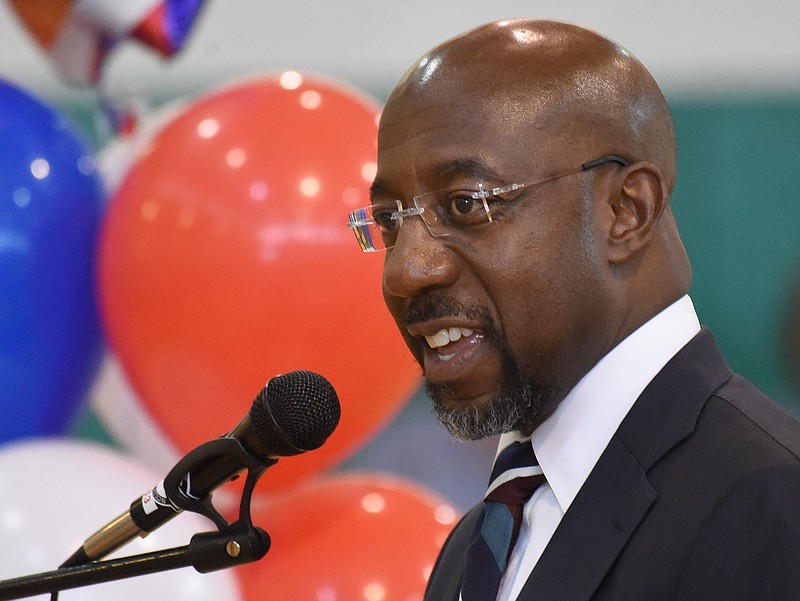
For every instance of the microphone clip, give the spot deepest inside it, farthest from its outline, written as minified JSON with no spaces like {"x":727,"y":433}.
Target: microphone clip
{"x":247,"y":542}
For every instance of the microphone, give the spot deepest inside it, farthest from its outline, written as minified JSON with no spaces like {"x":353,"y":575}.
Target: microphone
{"x":293,"y":413}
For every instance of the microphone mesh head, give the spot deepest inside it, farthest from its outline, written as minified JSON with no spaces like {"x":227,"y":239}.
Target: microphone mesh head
{"x":302,"y":406}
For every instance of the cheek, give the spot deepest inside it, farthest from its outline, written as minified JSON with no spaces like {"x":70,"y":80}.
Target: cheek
{"x":551,"y":287}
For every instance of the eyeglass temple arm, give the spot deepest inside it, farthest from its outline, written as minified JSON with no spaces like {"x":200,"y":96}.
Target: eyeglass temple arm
{"x":611,"y":158}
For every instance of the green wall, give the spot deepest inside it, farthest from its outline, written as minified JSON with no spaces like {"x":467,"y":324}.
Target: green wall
{"x":737,"y":202}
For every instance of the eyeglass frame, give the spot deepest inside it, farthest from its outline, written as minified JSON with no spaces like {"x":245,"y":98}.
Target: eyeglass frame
{"x":359,"y":223}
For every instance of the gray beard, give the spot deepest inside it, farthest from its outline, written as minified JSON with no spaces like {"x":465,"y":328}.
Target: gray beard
{"x":505,"y":413}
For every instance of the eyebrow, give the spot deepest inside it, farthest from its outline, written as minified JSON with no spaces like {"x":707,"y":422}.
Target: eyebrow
{"x":450,"y":168}
{"x":377,"y":189}
{"x":465,"y":166}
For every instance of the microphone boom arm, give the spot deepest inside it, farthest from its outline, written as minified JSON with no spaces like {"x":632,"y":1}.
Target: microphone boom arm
{"x":206,"y":552}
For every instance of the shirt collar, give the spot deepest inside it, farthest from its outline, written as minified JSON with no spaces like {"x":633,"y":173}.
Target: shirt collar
{"x":569,"y":442}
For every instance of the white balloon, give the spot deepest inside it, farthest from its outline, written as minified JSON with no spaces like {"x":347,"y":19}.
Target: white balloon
{"x":56,"y":492}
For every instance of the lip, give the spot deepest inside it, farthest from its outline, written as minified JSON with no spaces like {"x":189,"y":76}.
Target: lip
{"x":446,"y":363}
{"x":465,"y":365}
{"x":466,"y":371}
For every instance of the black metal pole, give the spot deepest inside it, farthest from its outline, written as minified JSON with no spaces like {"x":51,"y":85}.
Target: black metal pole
{"x":93,"y":573}
{"x":206,"y":552}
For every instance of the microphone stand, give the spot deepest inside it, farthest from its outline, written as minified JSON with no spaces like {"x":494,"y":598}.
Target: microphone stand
{"x":234,"y":544}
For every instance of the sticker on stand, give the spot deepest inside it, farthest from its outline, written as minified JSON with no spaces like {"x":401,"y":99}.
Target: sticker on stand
{"x":153,"y":499}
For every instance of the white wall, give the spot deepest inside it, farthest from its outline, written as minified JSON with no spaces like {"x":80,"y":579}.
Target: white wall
{"x":691,"y":46}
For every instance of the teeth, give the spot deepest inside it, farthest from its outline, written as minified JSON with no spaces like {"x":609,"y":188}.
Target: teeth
{"x":446,"y":336}
{"x":440,"y":338}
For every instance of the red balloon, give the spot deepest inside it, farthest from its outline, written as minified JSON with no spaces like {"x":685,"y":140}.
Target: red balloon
{"x":349,"y":537}
{"x":225,"y":260}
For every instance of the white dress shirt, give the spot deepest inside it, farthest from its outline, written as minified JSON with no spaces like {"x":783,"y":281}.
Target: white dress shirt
{"x":571,"y":441}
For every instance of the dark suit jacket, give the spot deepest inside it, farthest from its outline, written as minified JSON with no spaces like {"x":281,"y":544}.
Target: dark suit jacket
{"x":696,"y":497}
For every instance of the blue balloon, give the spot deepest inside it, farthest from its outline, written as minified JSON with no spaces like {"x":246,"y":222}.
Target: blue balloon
{"x":51,"y":204}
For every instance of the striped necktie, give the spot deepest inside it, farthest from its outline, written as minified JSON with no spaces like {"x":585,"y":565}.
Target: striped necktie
{"x":516,"y":475}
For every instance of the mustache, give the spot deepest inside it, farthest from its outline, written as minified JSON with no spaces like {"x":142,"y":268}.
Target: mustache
{"x":437,"y":304}
{"x":432,"y":306}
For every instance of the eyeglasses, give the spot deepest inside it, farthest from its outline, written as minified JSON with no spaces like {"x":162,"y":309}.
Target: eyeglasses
{"x":444,"y":212}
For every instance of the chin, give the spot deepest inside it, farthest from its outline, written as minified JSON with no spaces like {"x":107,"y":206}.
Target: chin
{"x":519,"y":408}
{"x":466,"y":418}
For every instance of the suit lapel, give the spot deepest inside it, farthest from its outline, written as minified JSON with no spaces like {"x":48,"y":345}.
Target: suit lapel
{"x":594,"y":530}
{"x":617,"y":495}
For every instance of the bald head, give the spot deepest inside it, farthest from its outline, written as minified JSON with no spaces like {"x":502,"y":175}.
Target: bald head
{"x":552,"y":95}
{"x":584,"y":88}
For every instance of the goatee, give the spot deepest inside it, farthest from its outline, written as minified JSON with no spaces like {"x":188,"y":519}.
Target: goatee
{"x":521,"y":401}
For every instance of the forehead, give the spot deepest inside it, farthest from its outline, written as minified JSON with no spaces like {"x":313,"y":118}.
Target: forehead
{"x":430,"y":139}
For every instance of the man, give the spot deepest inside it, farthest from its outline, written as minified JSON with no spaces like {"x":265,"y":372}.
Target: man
{"x":535,"y":271}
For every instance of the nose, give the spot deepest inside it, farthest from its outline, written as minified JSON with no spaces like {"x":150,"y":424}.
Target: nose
{"x":417,"y":262}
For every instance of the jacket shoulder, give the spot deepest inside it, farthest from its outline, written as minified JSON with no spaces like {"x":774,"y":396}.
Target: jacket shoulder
{"x":761,"y":413}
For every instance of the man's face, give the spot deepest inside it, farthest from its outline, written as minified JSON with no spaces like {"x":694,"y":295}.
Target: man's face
{"x":503,"y":321}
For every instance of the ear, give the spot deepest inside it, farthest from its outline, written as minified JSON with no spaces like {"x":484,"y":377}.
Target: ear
{"x":637,"y":207}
